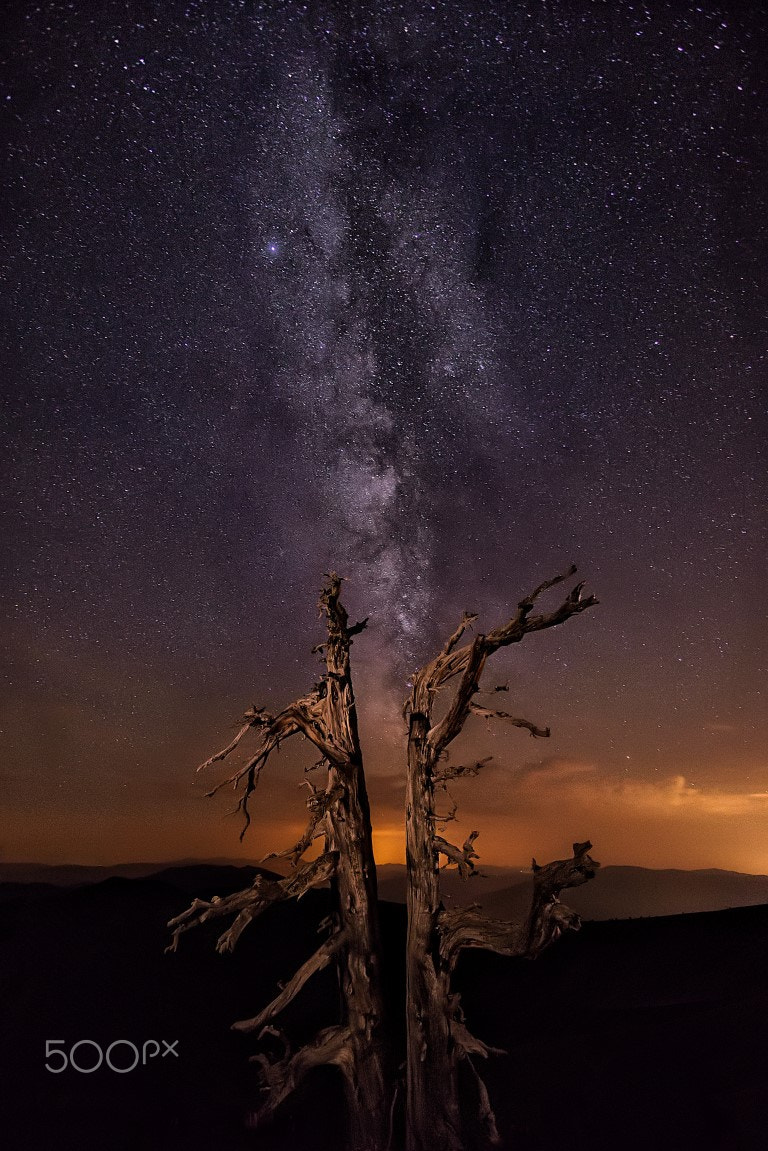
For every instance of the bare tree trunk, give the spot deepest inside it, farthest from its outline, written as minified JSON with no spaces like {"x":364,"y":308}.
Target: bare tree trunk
{"x":432,"y":1109}
{"x":438,"y":1040}
{"x":369,"y":1091}
{"x":340,"y":813}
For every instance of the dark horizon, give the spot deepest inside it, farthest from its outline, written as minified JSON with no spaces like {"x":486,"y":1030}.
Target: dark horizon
{"x":281,"y":867}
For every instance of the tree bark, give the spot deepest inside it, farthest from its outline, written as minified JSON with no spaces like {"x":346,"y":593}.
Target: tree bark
{"x":369,"y":1088}
{"x":433,"y":1117}
{"x":360,"y":1046}
{"x":438,"y":1040}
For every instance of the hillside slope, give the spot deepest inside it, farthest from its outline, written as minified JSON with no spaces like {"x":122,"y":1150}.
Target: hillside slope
{"x":630,"y":1035}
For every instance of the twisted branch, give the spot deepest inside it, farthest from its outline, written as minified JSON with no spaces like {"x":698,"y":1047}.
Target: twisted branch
{"x":470,"y":659}
{"x":513,"y":721}
{"x":461,"y":928}
{"x":306,"y":716}
{"x":548,"y":918}
{"x":252,"y":901}
{"x":315,"y":963}
{"x":319,"y":803}
{"x":443,"y":774}
{"x":463,"y":857}
{"x":254,"y":717}
{"x":467,"y":620}
{"x":281,"y":1075}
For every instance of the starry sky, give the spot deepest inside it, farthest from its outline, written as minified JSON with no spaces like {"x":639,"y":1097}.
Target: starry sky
{"x":443,"y":296}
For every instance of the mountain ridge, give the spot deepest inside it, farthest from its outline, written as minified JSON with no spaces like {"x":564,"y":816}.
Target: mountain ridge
{"x":619,"y":891}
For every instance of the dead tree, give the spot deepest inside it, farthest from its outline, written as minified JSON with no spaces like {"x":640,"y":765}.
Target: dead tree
{"x":438,"y":1038}
{"x":339,"y":813}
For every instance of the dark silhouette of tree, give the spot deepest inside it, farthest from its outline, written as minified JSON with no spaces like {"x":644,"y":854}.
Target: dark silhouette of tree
{"x":438,"y":1040}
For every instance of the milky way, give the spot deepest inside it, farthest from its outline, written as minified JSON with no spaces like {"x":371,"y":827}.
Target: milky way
{"x":381,"y":333}
{"x":444,"y":297}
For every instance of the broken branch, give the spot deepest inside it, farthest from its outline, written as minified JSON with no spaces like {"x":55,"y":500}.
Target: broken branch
{"x":282,"y":1075}
{"x":466,"y":927}
{"x":255,"y":717}
{"x":464,"y":858}
{"x":252,"y":901}
{"x":548,"y":918}
{"x":467,"y":620}
{"x":487,"y":713}
{"x":462,"y":928}
{"x":315,"y":963}
{"x":319,"y":803}
{"x":446,"y":773}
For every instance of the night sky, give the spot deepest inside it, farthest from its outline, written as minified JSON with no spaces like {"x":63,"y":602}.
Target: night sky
{"x":442,"y":296}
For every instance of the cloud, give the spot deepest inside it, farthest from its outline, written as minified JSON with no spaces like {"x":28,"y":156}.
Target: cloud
{"x":544,"y":806}
{"x":676,"y":797}
{"x":556,"y":768}
{"x":579,"y":783}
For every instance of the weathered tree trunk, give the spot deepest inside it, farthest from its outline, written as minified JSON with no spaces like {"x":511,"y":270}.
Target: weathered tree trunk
{"x":340,"y":814}
{"x":438,"y":1040}
{"x":433,"y":1117}
{"x":369,"y":1090}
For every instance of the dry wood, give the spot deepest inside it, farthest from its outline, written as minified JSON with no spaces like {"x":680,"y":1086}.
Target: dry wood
{"x":282,"y":1075}
{"x":464,"y":857}
{"x":443,"y":774}
{"x":319,"y":804}
{"x":340,"y":813}
{"x":438,"y":1039}
{"x":253,"y":900}
{"x":513,"y":721}
{"x":315,"y":963}
{"x":466,"y":927}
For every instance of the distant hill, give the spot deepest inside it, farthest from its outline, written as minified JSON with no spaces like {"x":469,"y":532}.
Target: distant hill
{"x":69,"y":874}
{"x":503,"y":892}
{"x":638,"y":892}
{"x":26,"y":890}
{"x":88,"y":962}
{"x":204,"y":880}
{"x":614,"y":893}
{"x":475,"y":890}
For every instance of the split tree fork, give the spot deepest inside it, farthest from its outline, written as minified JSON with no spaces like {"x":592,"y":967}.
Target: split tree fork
{"x":438,"y":1039}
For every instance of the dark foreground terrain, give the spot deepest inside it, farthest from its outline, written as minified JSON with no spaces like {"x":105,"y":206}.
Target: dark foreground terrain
{"x":631,"y":1034}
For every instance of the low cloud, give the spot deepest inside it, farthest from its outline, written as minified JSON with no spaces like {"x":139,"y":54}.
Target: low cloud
{"x":544,"y":806}
{"x":558,"y":780}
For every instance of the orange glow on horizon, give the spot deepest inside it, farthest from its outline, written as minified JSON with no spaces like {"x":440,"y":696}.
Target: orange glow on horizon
{"x":539,"y":811}
{"x":389,"y":844}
